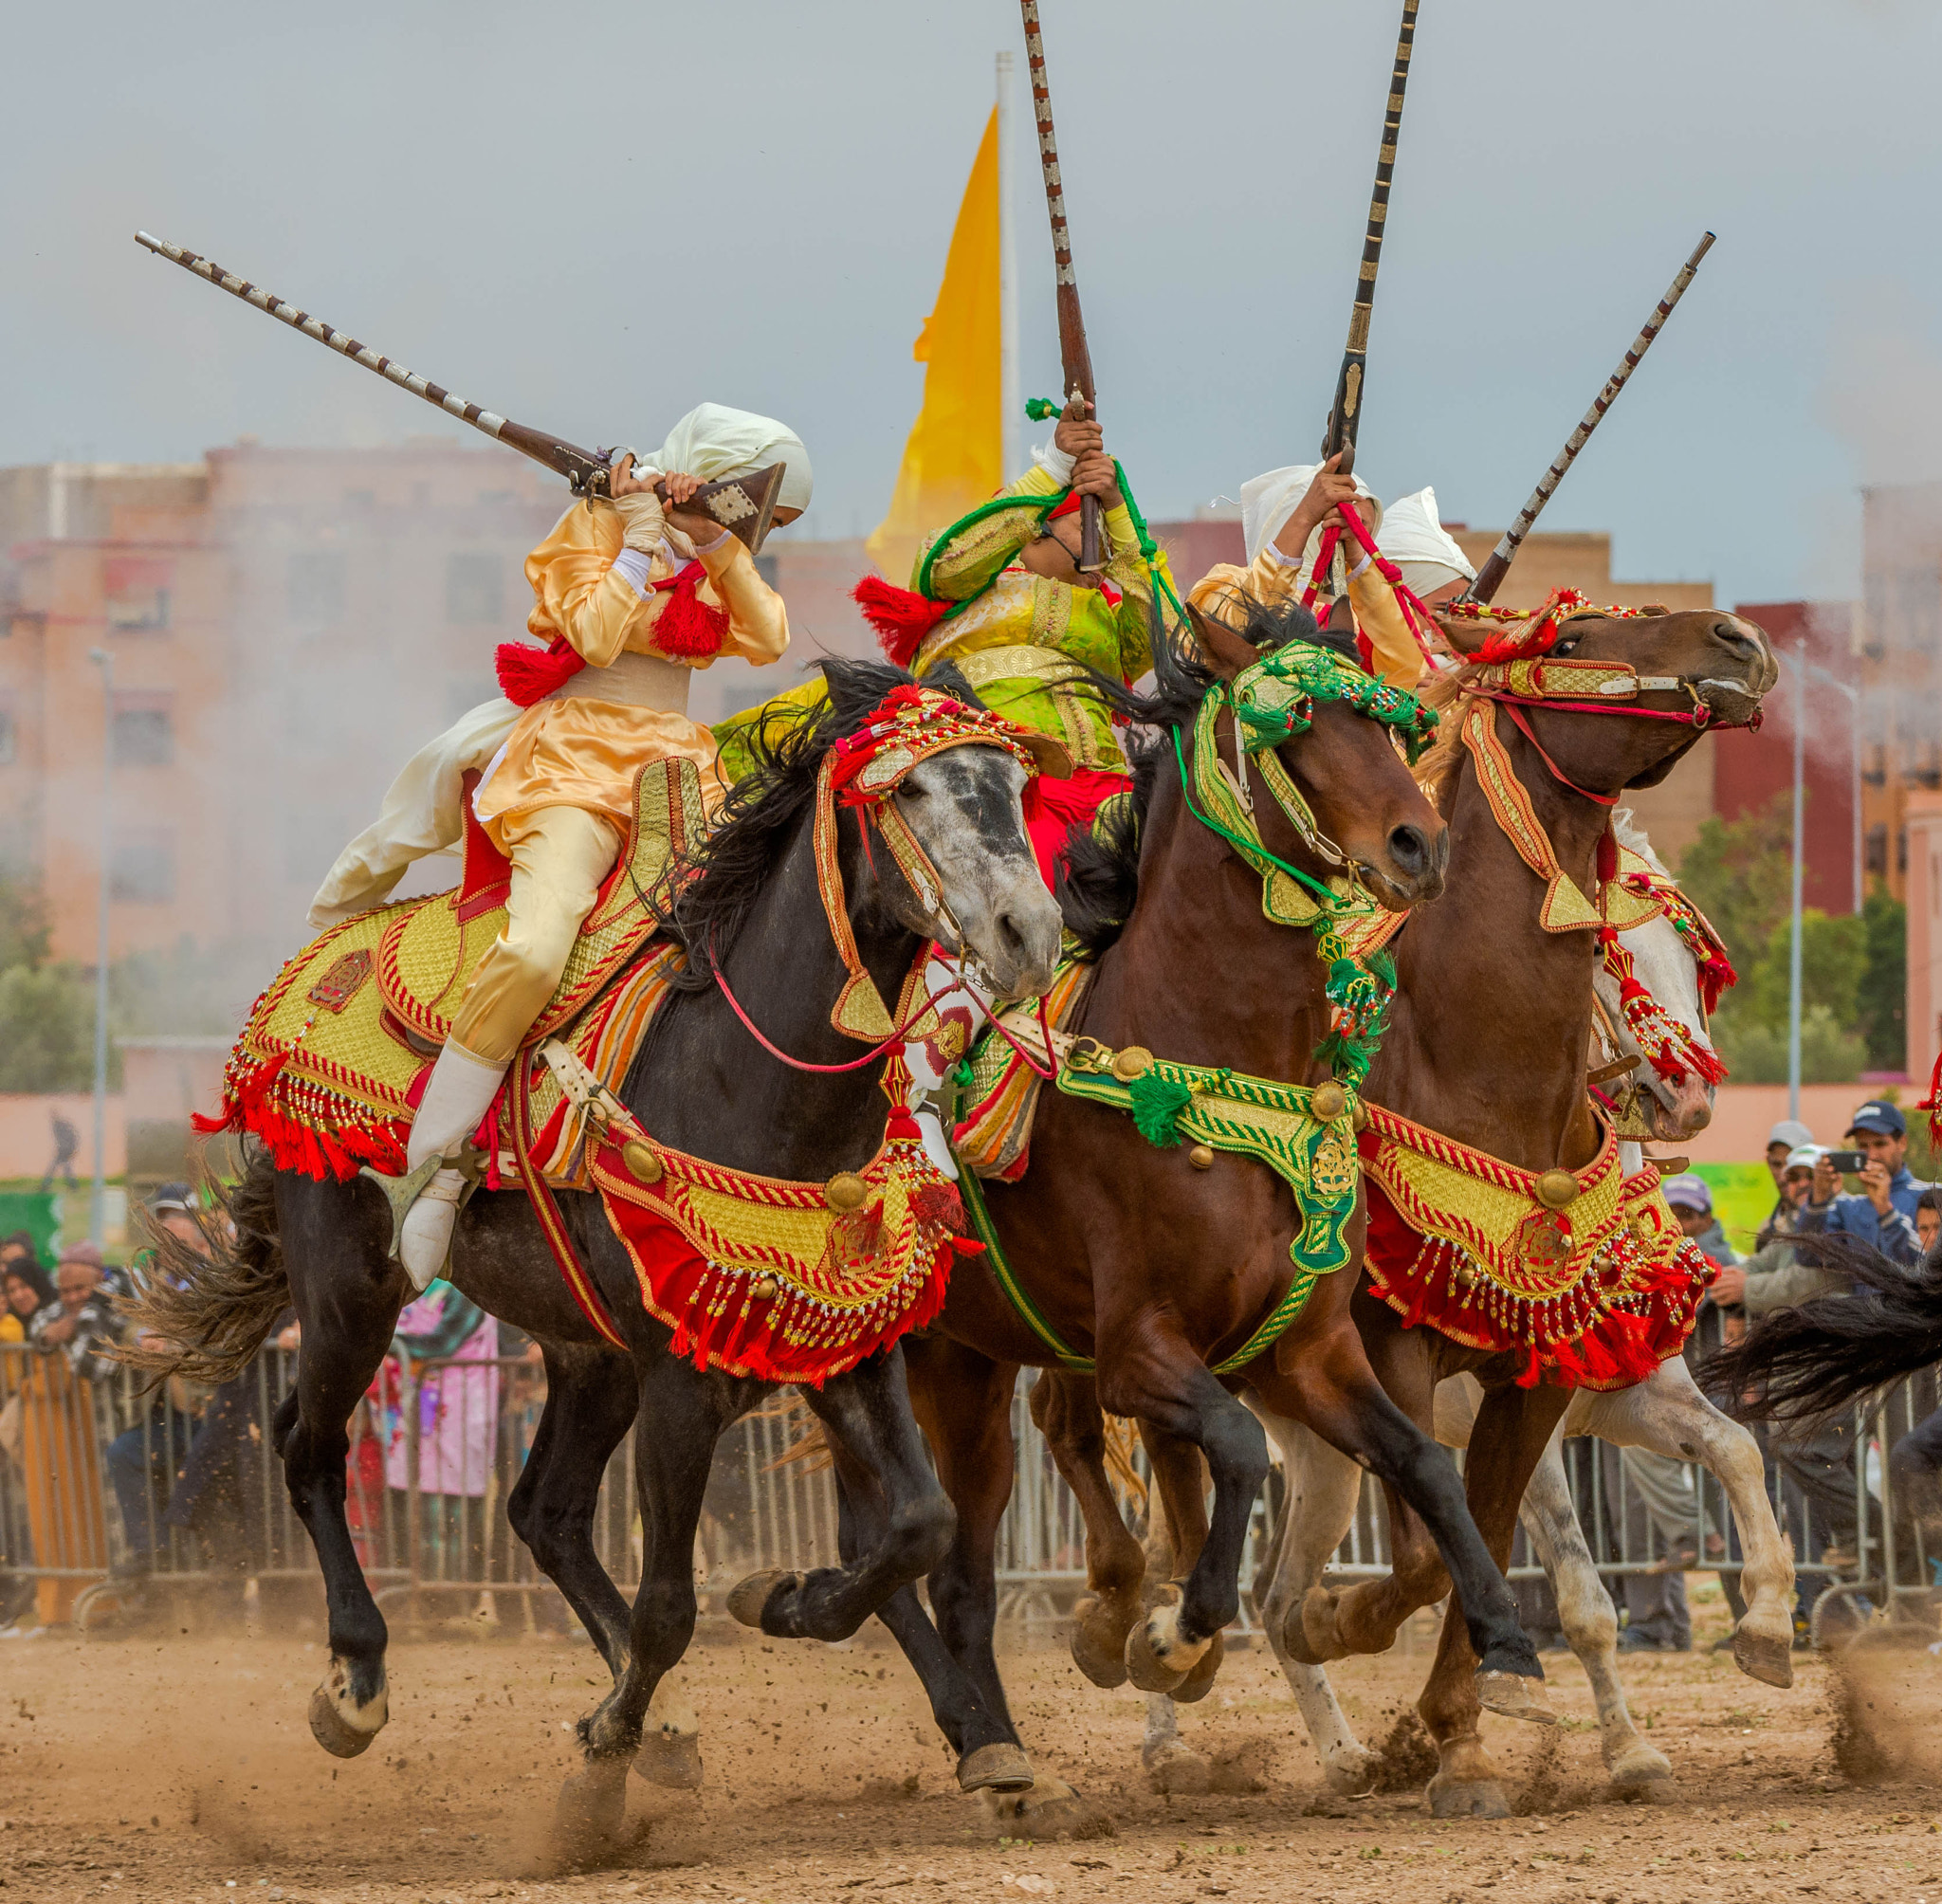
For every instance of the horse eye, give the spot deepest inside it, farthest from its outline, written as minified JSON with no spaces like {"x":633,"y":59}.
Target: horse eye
{"x":909,"y":790}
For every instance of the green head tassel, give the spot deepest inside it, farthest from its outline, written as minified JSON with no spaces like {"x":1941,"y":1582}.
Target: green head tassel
{"x":1157,"y":1103}
{"x":1040,"y":408}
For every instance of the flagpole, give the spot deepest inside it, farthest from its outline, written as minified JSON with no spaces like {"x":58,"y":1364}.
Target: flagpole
{"x":1007,"y":273}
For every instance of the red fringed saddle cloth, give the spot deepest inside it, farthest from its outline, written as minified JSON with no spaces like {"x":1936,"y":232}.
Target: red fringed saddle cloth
{"x":1584,"y":1275}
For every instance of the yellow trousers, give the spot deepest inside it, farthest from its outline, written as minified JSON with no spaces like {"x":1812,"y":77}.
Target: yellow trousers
{"x":559,"y":857}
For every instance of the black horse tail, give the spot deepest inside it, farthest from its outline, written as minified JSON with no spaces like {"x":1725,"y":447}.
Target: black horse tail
{"x":213,"y":1306}
{"x":1809,"y":1363}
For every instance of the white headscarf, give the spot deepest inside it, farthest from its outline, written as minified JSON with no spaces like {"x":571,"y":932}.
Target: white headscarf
{"x":713,"y":440}
{"x":1415,"y":540}
{"x":1267,"y":502}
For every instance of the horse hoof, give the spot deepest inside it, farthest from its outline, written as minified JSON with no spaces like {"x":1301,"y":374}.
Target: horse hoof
{"x":1099,"y":1640}
{"x":591,"y":1811}
{"x":747,"y":1599}
{"x":1768,"y":1660}
{"x":1199,"y":1679}
{"x":1310,"y":1633}
{"x":1514,"y":1696}
{"x":1158,"y":1659}
{"x":671,"y":1759}
{"x":1352,"y":1773}
{"x":1049,"y":1808}
{"x":1002,"y":1766}
{"x":329,"y":1729}
{"x":1177,"y":1770}
{"x":1467,"y":1798}
{"x":1639,"y":1771}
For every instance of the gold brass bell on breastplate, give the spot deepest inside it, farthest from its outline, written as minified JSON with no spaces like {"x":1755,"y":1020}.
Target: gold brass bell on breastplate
{"x":643,"y":1161}
{"x":1201,"y":1157}
{"x":1135,"y":1061}
{"x":1327,"y":1102}
{"x":845,"y":1191}
{"x":1556,"y":1189}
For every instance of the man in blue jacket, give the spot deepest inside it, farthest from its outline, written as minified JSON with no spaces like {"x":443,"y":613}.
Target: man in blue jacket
{"x":1884,"y":1212}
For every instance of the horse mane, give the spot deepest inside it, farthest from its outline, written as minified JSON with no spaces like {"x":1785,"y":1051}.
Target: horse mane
{"x":707,"y":899}
{"x":1628,"y":832}
{"x":1440,"y":763}
{"x":1099,"y":878}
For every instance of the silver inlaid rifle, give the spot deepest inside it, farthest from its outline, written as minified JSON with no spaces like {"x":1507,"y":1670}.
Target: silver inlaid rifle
{"x":1491,"y":576}
{"x":743,"y":505}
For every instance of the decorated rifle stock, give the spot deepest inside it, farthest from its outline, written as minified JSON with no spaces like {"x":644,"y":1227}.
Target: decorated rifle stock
{"x":743,"y":505}
{"x":1344,"y":417}
{"x":1075,"y":359}
{"x":1491,"y":576}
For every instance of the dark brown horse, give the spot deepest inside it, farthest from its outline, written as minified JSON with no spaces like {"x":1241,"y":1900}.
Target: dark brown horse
{"x":1157,"y":1269}
{"x":1488,"y":1047}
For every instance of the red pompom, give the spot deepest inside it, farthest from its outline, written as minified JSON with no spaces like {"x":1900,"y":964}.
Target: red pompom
{"x":687,"y":626}
{"x":900,"y":616}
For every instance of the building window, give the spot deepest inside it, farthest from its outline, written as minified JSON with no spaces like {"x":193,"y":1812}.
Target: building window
{"x":472,"y":588}
{"x":136,"y":589}
{"x":141,"y":870}
{"x":7,"y":736}
{"x":144,"y":730}
{"x":315,"y":581}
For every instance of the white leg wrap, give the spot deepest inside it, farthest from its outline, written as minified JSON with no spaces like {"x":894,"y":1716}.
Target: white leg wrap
{"x":425,"y":1239}
{"x":457,"y":1094}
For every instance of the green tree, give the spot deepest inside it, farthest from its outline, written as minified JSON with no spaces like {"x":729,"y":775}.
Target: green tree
{"x":1739,"y":874}
{"x":1881,"y":1002}
{"x":47,"y":1029}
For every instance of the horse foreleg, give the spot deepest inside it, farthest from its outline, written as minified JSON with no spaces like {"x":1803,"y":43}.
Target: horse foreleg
{"x":1667,"y":1414}
{"x":867,"y":1414}
{"x":1066,"y":1409}
{"x":347,"y":1297}
{"x":1511,"y":1431}
{"x":1159,"y":1379}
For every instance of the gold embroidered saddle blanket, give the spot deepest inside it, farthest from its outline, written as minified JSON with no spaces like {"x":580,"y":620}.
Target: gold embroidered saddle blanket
{"x":334,"y":1057}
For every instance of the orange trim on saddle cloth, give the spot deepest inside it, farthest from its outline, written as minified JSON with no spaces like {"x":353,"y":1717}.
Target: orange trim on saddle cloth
{"x":1593,"y":1294}
{"x":783,"y":1281}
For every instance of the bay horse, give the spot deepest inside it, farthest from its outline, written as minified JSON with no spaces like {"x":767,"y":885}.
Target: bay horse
{"x":1158,"y":1264}
{"x":1665,"y":1414}
{"x":752,"y":919}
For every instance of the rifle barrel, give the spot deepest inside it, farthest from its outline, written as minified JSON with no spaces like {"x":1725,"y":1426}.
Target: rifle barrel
{"x":1491,"y":576}
{"x":579,"y":466}
{"x":1075,"y":358}
{"x":1346,"y":415}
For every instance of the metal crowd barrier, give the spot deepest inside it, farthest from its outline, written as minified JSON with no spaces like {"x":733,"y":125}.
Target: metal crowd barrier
{"x":95,"y":1475}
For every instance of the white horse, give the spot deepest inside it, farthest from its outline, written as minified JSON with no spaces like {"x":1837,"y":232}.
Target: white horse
{"x":1666,"y":1415}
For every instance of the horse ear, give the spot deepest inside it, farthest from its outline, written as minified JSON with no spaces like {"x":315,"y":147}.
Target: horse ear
{"x":1465,"y":636}
{"x":1226,"y":652}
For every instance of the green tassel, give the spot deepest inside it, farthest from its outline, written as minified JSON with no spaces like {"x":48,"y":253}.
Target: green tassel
{"x":1157,"y":1103}
{"x":1040,"y":408}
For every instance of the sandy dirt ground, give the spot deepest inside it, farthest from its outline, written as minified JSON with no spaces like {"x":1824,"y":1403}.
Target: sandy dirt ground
{"x":180,"y":1765}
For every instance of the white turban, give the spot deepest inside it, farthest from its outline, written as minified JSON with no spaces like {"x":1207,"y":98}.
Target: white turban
{"x":1267,"y":502}
{"x":1415,"y":540}
{"x":713,"y":440}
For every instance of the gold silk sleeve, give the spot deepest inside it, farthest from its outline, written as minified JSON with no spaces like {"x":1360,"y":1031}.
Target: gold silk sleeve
{"x":969,"y":562}
{"x":1378,"y":614}
{"x":758,"y":621}
{"x":1126,"y":569}
{"x":1223,"y":591}
{"x":576,"y":592}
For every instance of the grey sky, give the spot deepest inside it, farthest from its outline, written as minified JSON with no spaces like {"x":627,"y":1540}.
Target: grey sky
{"x":589,"y":218}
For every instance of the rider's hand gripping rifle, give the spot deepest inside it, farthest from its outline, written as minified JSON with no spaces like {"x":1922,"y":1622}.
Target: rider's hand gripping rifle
{"x":743,"y":505}
{"x":1075,"y":360}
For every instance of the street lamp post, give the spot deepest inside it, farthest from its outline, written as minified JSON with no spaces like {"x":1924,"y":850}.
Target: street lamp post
{"x":98,"y":1207}
{"x":1854,"y":708}
{"x":1793,"y":950}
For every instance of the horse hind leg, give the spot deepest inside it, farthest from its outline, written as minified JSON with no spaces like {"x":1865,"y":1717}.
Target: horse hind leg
{"x":347,"y":1297}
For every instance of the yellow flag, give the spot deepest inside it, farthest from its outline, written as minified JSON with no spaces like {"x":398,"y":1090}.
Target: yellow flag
{"x":955,"y":454}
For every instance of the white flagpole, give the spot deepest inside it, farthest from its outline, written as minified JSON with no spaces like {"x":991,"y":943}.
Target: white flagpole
{"x":1007,"y":272}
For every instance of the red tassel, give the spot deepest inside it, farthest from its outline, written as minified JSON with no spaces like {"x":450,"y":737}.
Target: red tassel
{"x":687,"y":626}
{"x":527,"y":674}
{"x":1933,"y":1103}
{"x":900,"y":616}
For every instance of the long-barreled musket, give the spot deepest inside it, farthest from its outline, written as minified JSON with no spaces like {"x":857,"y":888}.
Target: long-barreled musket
{"x":743,"y":505}
{"x":1346,"y":415}
{"x":1075,"y":359}
{"x":1491,"y":576}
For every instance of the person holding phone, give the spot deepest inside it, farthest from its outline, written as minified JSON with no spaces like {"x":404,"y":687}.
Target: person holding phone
{"x":1884,"y":1213}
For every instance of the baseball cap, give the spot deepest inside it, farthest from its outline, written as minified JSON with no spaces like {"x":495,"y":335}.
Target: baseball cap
{"x":1791,"y":1133}
{"x":1805,"y":1155}
{"x":170,"y":1197}
{"x":1881,"y":1117}
{"x":1688,"y":1192}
